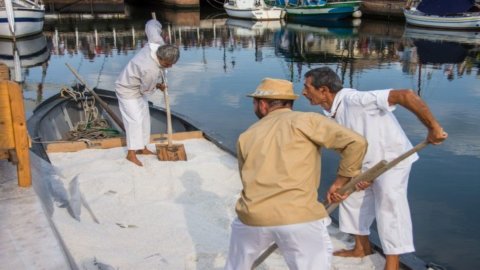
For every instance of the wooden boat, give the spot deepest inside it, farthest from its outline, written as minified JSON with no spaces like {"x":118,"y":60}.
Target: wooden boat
{"x":79,"y":230}
{"x":253,"y":10}
{"x":383,"y":8}
{"x":54,"y":117}
{"x":310,"y":11}
{"x":28,"y":16}
{"x":461,"y":14}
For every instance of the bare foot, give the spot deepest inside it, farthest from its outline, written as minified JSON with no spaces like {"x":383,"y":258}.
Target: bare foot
{"x":144,"y":151}
{"x":351,"y":253}
{"x":132,"y":157}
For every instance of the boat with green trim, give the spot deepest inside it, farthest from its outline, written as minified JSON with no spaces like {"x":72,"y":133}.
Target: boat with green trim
{"x":307,"y":11}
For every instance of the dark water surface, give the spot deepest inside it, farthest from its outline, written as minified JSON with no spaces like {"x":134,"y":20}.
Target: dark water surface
{"x":223,"y":60}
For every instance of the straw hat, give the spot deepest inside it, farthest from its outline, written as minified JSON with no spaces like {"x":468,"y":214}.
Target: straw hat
{"x":274,"y":89}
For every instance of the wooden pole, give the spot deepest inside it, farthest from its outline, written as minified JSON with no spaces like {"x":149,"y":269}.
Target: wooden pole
{"x":19,"y":126}
{"x":97,"y":98}
{"x":370,"y":175}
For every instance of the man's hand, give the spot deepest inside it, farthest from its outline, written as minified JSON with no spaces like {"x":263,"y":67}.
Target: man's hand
{"x":362,"y":185}
{"x":436,"y":135}
{"x":332,"y":195}
{"x":161,"y":86}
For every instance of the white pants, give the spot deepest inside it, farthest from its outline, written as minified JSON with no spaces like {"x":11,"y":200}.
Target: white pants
{"x":136,"y":118}
{"x":386,"y":200}
{"x":305,"y":246}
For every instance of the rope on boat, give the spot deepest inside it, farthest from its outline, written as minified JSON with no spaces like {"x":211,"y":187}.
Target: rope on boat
{"x":93,"y":127}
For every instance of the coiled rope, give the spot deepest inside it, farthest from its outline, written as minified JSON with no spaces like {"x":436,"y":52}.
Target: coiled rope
{"x":93,"y":127}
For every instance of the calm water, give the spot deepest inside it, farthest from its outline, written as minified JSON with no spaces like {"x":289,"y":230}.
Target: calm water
{"x":223,"y":60}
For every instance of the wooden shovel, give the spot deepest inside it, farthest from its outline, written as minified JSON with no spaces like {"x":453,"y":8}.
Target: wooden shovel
{"x":369,"y":176}
{"x":170,"y":151}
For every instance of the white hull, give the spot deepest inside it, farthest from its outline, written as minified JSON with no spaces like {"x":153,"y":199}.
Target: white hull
{"x":254,"y":13}
{"x":27,"y":22}
{"x":467,"y":21}
{"x":32,"y":51}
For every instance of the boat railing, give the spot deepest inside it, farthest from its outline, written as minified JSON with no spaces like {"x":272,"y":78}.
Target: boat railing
{"x":28,"y":3}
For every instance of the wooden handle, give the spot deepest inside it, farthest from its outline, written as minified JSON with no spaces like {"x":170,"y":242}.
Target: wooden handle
{"x":373,"y":173}
{"x":169,"y":116}
{"x":370,"y":175}
{"x":97,"y":98}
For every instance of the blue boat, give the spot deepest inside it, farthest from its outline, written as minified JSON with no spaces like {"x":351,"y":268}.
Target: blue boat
{"x":307,"y":11}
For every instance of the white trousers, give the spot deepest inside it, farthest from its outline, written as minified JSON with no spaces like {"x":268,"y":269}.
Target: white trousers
{"x":305,"y":246}
{"x":386,"y":200}
{"x":136,"y":118}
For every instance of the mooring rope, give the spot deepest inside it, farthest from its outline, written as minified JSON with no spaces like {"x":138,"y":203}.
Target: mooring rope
{"x":93,"y":127}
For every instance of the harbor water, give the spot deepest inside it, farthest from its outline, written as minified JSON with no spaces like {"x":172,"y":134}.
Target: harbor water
{"x":223,"y":59}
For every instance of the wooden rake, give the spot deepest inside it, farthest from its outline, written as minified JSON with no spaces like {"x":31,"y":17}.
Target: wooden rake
{"x":369,"y":176}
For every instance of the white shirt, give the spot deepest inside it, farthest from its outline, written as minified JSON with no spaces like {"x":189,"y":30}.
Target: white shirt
{"x":143,"y":72}
{"x":369,"y":113}
{"x":140,"y":75}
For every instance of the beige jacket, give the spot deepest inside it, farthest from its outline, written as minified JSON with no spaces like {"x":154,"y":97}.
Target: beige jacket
{"x":279,"y":162}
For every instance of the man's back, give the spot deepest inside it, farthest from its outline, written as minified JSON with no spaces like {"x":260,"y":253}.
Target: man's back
{"x":280,"y":166}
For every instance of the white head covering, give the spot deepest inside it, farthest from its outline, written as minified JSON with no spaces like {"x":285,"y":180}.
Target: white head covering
{"x":153,"y":30}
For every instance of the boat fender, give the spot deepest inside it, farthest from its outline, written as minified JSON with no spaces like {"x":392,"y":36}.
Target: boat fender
{"x":357,"y":14}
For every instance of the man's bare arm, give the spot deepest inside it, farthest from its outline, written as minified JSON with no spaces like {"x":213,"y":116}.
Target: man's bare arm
{"x":412,"y":102}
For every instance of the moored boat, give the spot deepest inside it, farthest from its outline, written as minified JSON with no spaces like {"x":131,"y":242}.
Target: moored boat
{"x":32,"y":51}
{"x":461,"y":14}
{"x":28,"y":16}
{"x":309,"y":11}
{"x":253,"y":9}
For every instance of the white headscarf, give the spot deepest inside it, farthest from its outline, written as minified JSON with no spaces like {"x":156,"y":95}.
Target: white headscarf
{"x":153,"y":30}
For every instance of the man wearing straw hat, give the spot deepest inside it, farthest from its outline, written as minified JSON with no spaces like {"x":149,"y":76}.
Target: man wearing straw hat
{"x":279,"y":162}
{"x":370,"y":114}
{"x":142,"y":75}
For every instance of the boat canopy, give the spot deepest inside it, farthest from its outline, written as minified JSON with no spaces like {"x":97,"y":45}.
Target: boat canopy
{"x":445,"y":7}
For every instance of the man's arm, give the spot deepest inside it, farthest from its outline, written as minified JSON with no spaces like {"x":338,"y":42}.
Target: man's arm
{"x":412,"y":102}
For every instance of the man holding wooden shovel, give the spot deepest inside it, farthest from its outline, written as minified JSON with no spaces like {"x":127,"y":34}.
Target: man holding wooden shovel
{"x":142,"y":75}
{"x":370,"y":114}
{"x":279,"y":162}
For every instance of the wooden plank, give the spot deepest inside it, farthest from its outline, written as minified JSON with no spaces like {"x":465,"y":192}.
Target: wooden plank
{"x":6,"y":130}
{"x":116,"y":142}
{"x":19,"y":124}
{"x":3,"y":154}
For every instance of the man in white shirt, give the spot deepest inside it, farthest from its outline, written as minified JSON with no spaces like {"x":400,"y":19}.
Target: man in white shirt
{"x":142,"y":75}
{"x":370,"y":114}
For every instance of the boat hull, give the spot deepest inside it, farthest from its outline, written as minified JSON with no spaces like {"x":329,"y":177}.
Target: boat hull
{"x":255,"y":13}
{"x":32,"y":51}
{"x":468,"y":21}
{"x":27,"y":22}
{"x":329,"y":11}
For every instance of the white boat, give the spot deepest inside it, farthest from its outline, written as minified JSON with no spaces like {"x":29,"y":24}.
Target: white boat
{"x":32,"y":51}
{"x":460,"y":14}
{"x":452,"y":35}
{"x":248,"y":28}
{"x":28,"y":18}
{"x":253,"y":9}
